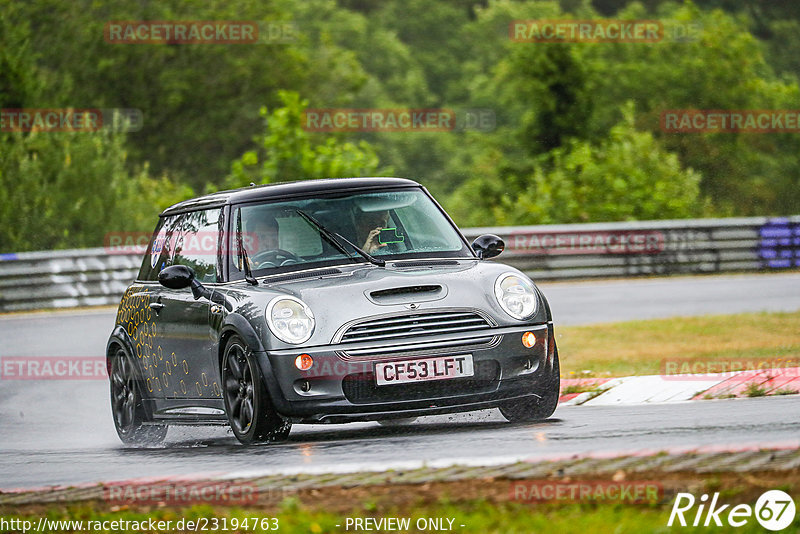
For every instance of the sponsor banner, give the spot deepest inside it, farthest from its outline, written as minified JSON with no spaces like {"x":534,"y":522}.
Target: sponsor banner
{"x":779,"y":244}
{"x":589,"y":242}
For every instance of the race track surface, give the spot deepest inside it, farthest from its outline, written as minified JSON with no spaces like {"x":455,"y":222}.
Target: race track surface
{"x":60,"y":432}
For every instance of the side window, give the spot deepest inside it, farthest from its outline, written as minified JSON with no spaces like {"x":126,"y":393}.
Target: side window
{"x":159,"y":251}
{"x":196,"y":242}
{"x":190,"y":239}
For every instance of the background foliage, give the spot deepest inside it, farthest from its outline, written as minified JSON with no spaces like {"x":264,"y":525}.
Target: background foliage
{"x":577,"y":136}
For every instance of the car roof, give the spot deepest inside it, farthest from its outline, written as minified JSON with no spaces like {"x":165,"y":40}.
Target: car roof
{"x":282,"y":190}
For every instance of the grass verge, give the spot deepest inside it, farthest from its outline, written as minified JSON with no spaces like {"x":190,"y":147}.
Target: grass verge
{"x":477,"y":505}
{"x":642,"y":347}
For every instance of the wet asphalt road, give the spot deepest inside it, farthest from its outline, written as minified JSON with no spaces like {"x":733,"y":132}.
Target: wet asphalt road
{"x":60,"y":432}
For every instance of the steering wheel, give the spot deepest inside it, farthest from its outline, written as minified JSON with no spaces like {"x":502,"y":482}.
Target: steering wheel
{"x":271,"y":258}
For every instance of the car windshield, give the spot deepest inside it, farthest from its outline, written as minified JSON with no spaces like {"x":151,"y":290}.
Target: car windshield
{"x":313,"y":232}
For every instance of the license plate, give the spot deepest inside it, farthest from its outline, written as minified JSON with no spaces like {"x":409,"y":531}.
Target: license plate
{"x":438,"y":368}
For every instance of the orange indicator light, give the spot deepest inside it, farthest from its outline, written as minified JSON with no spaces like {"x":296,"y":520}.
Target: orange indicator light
{"x":529,"y":339}
{"x":304,"y":362}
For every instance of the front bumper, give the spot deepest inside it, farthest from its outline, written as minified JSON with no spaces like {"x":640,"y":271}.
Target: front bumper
{"x":340,"y":387}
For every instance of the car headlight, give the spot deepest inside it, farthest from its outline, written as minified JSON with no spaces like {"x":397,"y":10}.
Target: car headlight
{"x":516,"y":295}
{"x":290,"y":319}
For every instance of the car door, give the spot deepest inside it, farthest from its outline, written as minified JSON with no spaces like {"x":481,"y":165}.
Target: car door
{"x":187,"y":353}
{"x":140,"y":313}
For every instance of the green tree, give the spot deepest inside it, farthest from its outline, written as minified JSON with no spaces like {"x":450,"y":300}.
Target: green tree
{"x":627,"y":176}
{"x":549,"y":95}
{"x":199,"y":102}
{"x":724,"y":68}
{"x":69,"y":190}
{"x":18,"y":75}
{"x":288,"y":152}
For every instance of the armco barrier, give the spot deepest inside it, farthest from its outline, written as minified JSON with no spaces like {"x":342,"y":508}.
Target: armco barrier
{"x":64,"y":278}
{"x":86,"y":277}
{"x":688,"y":246}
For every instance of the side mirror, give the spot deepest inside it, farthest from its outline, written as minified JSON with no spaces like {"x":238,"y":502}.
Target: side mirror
{"x":176,"y":277}
{"x":488,"y":246}
{"x":180,"y":277}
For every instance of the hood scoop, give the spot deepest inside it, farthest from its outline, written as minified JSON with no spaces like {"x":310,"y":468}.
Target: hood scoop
{"x":408,"y":294}
{"x":426,"y":263}
{"x":319,"y":273}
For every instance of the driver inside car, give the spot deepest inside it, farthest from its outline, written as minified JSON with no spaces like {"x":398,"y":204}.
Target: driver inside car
{"x":369,"y":226}
{"x":264,"y":248}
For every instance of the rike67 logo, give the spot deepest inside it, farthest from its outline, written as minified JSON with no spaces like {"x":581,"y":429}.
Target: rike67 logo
{"x":774,"y":510}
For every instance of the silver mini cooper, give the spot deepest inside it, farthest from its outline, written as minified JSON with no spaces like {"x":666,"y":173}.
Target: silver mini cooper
{"x":324,"y":301}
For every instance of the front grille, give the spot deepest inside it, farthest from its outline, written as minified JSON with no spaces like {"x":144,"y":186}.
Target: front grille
{"x":426,"y":347}
{"x":398,"y":328}
{"x":361,"y":388}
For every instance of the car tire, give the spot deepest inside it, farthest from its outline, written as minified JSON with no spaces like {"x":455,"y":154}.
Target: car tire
{"x":397,"y":422}
{"x":538,"y":409}
{"x":251,"y":414}
{"x":127,"y":408}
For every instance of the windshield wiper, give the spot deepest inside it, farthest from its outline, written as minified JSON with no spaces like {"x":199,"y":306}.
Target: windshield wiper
{"x":334,"y":237}
{"x":248,"y":272}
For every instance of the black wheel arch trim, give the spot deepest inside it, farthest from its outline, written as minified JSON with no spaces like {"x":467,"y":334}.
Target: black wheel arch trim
{"x":544,"y":300}
{"x":237,"y":324}
{"x":282,"y":406}
{"x":120,"y":336}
